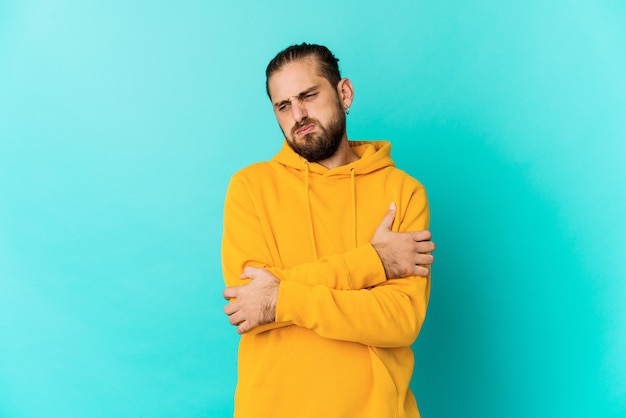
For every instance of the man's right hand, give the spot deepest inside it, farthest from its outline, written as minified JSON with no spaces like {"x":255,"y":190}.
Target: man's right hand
{"x":402,"y":253}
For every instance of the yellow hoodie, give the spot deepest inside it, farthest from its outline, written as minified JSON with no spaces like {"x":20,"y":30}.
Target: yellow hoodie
{"x":341,"y":343}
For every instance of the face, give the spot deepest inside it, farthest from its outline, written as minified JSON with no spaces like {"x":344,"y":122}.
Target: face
{"x":308,"y":109}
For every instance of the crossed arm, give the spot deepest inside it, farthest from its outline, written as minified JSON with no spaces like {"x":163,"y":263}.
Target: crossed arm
{"x":402,"y":254}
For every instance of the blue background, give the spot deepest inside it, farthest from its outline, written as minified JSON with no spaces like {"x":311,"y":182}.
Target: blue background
{"x":122,"y":121}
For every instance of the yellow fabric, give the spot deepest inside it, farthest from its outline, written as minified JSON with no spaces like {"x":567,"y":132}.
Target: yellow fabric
{"x":341,"y":343}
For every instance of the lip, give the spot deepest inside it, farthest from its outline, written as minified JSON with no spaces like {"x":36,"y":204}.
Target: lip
{"x":305,"y":129}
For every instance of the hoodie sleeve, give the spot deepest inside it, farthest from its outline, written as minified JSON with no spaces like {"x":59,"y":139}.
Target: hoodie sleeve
{"x":359,"y":268}
{"x":387,"y":315}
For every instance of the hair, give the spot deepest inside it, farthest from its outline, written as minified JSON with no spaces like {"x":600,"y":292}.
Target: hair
{"x":328,"y":67}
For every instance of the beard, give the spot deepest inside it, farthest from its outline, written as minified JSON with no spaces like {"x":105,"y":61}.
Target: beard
{"x":324,"y":142}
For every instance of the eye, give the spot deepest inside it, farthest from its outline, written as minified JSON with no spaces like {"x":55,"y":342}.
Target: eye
{"x":283,"y":106}
{"x":309,"y":96}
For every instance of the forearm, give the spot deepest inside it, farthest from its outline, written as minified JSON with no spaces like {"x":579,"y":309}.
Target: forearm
{"x":388,"y":315}
{"x":246,"y":243}
{"x":359,"y":268}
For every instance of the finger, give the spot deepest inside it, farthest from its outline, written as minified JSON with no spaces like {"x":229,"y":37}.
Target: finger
{"x":387,"y":221}
{"x":236,"y":319}
{"x":231,"y":292}
{"x":244,"y":327}
{"x":231,"y":308}
{"x":249,"y":273}
{"x":424,"y":259}
{"x":421,"y":271}
{"x":421,"y":235}
{"x":424,"y":247}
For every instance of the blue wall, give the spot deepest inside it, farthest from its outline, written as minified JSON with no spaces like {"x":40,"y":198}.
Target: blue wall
{"x":121,"y":122}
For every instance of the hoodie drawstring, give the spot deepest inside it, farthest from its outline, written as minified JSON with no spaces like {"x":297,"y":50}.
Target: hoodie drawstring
{"x":308,"y":210}
{"x":353,"y":185}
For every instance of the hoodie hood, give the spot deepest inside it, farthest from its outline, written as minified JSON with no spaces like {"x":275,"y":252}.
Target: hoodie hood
{"x":373,"y":156}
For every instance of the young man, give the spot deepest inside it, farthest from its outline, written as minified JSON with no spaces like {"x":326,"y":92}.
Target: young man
{"x":332,"y":245}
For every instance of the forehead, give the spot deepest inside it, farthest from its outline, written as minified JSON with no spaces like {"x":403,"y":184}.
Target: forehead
{"x":294,"y":78}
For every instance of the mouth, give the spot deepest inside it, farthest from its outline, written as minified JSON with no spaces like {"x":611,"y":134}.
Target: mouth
{"x":305,"y":129}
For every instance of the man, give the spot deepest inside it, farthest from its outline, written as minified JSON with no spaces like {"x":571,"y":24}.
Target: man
{"x":330,"y":240}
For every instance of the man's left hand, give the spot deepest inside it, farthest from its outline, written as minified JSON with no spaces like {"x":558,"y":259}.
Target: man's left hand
{"x":255,"y":302}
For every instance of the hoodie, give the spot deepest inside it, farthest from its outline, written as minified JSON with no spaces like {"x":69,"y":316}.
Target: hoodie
{"x":341,"y":342}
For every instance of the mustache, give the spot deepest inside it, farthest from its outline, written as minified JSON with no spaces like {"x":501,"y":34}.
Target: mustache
{"x":303,"y":122}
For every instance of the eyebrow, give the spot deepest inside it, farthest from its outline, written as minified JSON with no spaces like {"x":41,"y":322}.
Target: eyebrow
{"x":299,"y":96}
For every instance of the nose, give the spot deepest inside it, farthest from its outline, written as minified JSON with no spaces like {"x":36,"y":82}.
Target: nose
{"x":298,"y":110}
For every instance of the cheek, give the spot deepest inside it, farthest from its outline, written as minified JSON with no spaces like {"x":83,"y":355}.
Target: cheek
{"x":284,"y":124}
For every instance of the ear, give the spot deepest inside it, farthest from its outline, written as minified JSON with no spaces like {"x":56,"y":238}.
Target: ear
{"x":345,"y":92}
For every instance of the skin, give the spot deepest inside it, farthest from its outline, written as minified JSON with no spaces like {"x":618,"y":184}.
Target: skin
{"x":300,"y":94}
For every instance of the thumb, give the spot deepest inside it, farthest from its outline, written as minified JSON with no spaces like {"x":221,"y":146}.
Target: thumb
{"x":389,"y":217}
{"x":248,"y":273}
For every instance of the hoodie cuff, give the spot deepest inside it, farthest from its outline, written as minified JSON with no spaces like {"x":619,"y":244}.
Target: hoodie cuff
{"x":364,"y":267}
{"x":294,"y":302}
